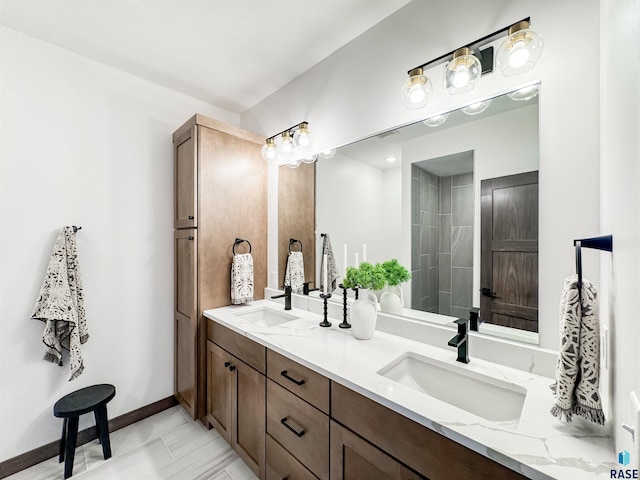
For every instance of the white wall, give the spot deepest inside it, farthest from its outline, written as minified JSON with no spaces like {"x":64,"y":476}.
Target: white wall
{"x":377,"y":194}
{"x":88,"y":145}
{"x":620,"y":183}
{"x":354,"y":94}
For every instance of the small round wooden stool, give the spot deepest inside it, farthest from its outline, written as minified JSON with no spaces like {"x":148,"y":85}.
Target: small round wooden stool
{"x":70,"y":407}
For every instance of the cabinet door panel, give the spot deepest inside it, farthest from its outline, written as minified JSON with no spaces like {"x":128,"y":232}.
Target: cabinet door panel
{"x":220,"y":390}
{"x":186,"y":190}
{"x":353,"y":458}
{"x":185,"y":361}
{"x":249,"y":432}
{"x":281,"y":464}
{"x":185,"y":245}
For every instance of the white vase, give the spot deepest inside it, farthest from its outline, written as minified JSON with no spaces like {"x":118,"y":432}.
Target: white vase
{"x":392,"y":300}
{"x":364,"y":315}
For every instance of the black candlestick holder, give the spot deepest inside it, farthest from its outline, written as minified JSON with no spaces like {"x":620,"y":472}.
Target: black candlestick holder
{"x":325,"y":297}
{"x":345,"y":323}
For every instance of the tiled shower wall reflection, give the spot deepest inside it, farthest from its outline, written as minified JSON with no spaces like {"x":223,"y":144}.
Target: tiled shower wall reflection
{"x":442,"y":242}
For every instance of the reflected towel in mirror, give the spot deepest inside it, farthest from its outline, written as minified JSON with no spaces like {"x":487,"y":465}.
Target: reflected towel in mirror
{"x":578,"y":369}
{"x":294,"y":273}
{"x":332,"y":270}
{"x":60,"y":304}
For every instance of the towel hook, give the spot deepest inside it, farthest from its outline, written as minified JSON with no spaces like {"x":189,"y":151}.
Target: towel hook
{"x":292,"y":241}
{"x":75,"y":229}
{"x":237,"y":242}
{"x":604,"y":243}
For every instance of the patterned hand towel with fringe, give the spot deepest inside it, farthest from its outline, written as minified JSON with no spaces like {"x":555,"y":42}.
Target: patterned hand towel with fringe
{"x":332,"y":270}
{"x":294,"y":273}
{"x":61,"y":304}
{"x":242,"y":278}
{"x":578,"y":368}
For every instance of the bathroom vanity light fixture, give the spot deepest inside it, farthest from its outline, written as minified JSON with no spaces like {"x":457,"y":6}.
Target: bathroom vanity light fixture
{"x":465,"y":65}
{"x":284,"y":144}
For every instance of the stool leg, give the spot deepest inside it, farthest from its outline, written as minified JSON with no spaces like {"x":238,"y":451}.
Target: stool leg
{"x":102,"y":423}
{"x":70,"y":447}
{"x":63,"y":440}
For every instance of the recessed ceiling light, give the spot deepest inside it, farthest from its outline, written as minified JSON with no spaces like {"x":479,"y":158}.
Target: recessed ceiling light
{"x":390,"y":159}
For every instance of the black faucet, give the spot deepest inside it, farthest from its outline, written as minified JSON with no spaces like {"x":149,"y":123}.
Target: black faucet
{"x":287,"y":297}
{"x":461,"y":341}
{"x":306,"y":289}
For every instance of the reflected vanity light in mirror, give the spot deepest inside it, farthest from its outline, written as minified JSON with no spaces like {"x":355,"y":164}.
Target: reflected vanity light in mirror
{"x":294,"y":164}
{"x":436,"y":120}
{"x":310,"y":158}
{"x":524,"y":94}
{"x":328,"y":153}
{"x":476,"y":108}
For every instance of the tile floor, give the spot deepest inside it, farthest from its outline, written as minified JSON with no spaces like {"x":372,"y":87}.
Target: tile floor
{"x":168,"y":445}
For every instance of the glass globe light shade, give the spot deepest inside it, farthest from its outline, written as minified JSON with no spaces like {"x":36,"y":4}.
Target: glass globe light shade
{"x":285,"y":145}
{"x":416,"y":90}
{"x":302,"y":137}
{"x":310,"y":158}
{"x":476,"y":108}
{"x":463,"y":72}
{"x":294,"y":164}
{"x":328,"y":153}
{"x":520,"y":51}
{"x":525,"y":93}
{"x":270,"y":151}
{"x":436,"y":120}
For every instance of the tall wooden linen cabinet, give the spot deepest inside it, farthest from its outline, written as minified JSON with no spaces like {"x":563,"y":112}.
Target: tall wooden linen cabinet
{"x":220,"y":195}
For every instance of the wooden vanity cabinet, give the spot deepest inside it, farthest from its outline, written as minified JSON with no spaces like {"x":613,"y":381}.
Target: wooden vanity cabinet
{"x":236,"y":394}
{"x":220,"y":193}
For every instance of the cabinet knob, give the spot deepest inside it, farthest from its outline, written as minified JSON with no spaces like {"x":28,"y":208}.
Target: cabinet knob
{"x":191,"y":217}
{"x":226,"y":364}
{"x":190,"y":237}
{"x":232,"y":368}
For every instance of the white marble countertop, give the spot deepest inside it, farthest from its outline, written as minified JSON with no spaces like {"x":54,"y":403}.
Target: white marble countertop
{"x":539,"y":446}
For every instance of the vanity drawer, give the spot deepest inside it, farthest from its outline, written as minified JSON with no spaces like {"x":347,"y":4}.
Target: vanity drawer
{"x":304,"y":382}
{"x":281,"y":464}
{"x":247,"y":350}
{"x":422,"y":449}
{"x":300,"y":428}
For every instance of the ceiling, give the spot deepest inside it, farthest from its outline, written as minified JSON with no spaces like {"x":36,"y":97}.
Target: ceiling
{"x":229,"y":53}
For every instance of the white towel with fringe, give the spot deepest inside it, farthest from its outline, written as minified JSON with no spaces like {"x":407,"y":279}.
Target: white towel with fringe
{"x":578,"y":369}
{"x":60,"y":304}
{"x":242,"y":278}
{"x":294,"y":273}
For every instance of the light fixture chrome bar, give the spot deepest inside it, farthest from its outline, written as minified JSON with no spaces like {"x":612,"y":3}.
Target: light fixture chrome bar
{"x":474,"y":46}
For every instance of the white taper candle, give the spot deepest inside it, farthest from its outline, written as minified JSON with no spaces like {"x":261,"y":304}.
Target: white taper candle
{"x":364,"y":252}
{"x":356,"y":260}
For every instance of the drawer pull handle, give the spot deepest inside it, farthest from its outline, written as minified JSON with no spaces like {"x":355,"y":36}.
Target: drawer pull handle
{"x":298,"y":433}
{"x":297,"y":382}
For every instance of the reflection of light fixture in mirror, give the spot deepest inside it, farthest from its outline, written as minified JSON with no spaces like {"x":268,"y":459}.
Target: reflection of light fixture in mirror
{"x":476,"y":108}
{"x":310,"y":158}
{"x":270,"y":151}
{"x":463,"y":72}
{"x":390,"y":159}
{"x":328,"y":153}
{"x":525,"y":93}
{"x":416,"y":90}
{"x":520,"y":51}
{"x":436,"y":120}
{"x":302,"y":137}
{"x":294,"y":164}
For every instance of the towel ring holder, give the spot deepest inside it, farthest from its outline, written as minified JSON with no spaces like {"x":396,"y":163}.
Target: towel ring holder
{"x":238,"y":242}
{"x":293,"y":241}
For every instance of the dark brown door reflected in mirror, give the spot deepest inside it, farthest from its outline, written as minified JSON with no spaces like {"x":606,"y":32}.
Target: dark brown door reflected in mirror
{"x":509,"y":258}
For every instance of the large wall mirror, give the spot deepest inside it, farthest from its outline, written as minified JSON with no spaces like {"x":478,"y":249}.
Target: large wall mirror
{"x":454,"y":199}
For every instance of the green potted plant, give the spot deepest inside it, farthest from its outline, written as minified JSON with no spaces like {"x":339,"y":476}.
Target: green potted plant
{"x":364,"y":311}
{"x":392,"y":299}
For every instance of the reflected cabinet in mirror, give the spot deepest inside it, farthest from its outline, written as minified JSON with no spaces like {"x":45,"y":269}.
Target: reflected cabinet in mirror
{"x":455,"y":200}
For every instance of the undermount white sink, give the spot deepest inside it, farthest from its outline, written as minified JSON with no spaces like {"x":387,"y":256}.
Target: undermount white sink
{"x":487,"y":397}
{"x":267,"y":316}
